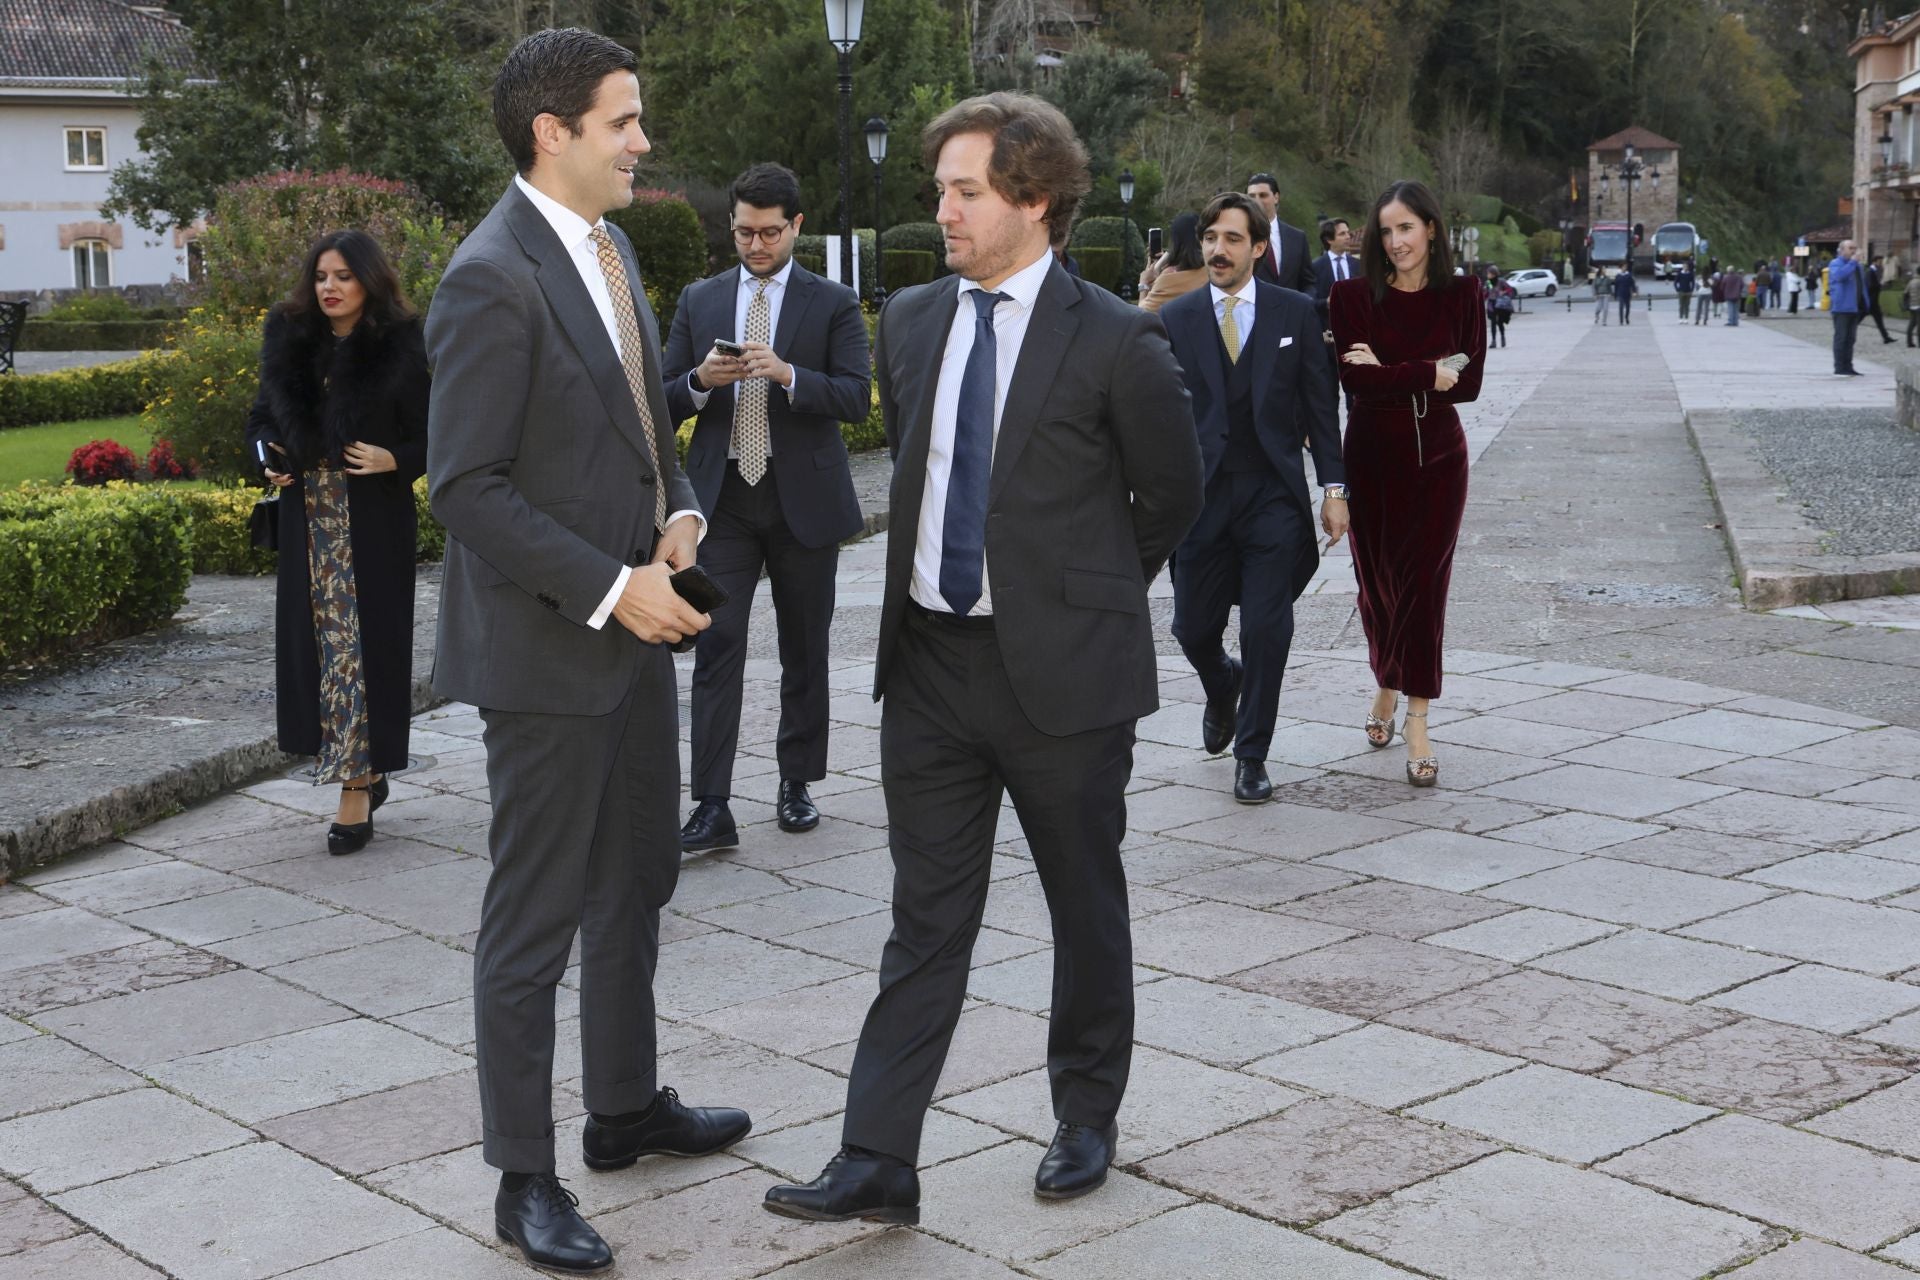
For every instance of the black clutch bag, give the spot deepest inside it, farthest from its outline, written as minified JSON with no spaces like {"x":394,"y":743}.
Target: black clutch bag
{"x":263,"y":526}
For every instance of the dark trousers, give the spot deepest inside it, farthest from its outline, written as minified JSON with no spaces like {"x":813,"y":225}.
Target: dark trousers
{"x":1703,"y":309}
{"x":1626,"y":310}
{"x":1880,"y":323}
{"x":1244,"y":550}
{"x":586,"y":839}
{"x":1498,"y":336}
{"x":952,"y":738}
{"x":1686,"y":301}
{"x":1846,"y":327}
{"x":747,"y":530}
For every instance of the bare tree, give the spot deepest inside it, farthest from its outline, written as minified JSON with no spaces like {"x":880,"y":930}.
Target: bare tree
{"x":1384,"y":153}
{"x":1464,"y":156}
{"x":1186,"y":147}
{"x":1007,"y":32}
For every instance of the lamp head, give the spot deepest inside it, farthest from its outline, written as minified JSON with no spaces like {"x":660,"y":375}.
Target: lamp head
{"x":843,"y":23}
{"x":876,"y":131}
{"x":1126,"y":186}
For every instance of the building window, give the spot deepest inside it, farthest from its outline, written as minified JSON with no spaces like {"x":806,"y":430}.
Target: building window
{"x":92,"y":265}
{"x":86,"y":149}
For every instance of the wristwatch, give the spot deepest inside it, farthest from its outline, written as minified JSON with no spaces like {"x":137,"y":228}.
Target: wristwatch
{"x":1335,"y":491}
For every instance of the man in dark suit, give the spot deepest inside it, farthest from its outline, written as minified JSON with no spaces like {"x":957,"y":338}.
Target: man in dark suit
{"x":1045,"y":465}
{"x":1336,"y":262}
{"x":770,"y":468}
{"x":1261,"y":378}
{"x":551,"y":463}
{"x":1286,"y":262}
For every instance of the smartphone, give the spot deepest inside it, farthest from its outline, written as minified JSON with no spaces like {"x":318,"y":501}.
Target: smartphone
{"x":726,"y":348}
{"x":697,"y":587}
{"x":1153,"y":244}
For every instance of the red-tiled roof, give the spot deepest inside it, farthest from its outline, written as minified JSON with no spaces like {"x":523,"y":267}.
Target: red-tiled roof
{"x":1642,"y":139}
{"x":85,"y":40}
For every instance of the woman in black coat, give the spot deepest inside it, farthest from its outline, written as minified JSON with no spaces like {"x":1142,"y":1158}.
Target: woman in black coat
{"x":340,"y":426}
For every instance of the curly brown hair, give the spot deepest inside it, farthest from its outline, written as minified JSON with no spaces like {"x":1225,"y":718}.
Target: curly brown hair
{"x":1036,"y":154}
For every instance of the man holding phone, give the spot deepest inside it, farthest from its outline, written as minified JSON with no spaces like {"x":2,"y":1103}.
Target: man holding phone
{"x":772,"y":358}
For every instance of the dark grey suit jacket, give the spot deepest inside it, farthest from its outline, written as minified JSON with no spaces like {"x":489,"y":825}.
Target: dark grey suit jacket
{"x":1286,"y":262}
{"x":540,"y":471}
{"x":823,"y":336}
{"x":1096,"y":478}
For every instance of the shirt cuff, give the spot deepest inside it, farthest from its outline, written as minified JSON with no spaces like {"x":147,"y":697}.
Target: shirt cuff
{"x":699,"y":396}
{"x":699,"y":537}
{"x":605,"y":611}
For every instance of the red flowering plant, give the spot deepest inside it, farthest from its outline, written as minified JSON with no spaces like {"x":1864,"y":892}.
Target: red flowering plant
{"x":99,"y":461}
{"x":163,"y":465}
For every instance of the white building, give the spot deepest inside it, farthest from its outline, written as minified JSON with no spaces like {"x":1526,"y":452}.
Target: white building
{"x":68,"y":70}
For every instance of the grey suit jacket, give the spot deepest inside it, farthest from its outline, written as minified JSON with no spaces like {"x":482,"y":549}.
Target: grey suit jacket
{"x":1095,"y":479}
{"x":540,"y":474}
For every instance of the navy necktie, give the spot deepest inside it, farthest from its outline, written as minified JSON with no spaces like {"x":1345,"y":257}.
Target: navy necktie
{"x":963,"y":537}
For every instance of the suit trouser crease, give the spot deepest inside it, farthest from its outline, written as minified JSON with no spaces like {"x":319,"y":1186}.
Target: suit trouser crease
{"x":952,"y":738}
{"x":748,"y":531}
{"x":1243,"y":550}
{"x":584,"y":839}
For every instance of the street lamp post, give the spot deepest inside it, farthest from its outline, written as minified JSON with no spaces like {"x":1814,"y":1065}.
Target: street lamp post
{"x":876,"y":131}
{"x":1127,"y":289}
{"x":843,"y":33}
{"x":1631,"y":169}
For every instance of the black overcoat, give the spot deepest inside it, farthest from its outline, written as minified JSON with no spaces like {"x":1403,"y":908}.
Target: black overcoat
{"x":317,"y":395}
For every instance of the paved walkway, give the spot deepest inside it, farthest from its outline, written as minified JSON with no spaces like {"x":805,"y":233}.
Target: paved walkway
{"x":1634,"y":994}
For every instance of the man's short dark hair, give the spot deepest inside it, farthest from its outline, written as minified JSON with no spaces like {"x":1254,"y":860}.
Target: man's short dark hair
{"x":1036,"y":154}
{"x":1328,"y":231}
{"x":766,"y":186}
{"x":1256,"y":216}
{"x":1273,"y":183}
{"x":554,"y":72}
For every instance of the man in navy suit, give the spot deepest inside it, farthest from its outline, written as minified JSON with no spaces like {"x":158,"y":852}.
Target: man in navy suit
{"x":1261,"y":379}
{"x":769,"y":467}
{"x":1337,"y":262}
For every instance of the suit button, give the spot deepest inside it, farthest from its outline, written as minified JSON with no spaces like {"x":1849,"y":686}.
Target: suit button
{"x":646,"y":479}
{"x":639,"y":553}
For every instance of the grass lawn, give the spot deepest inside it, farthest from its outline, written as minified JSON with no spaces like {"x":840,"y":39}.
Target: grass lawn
{"x":41,"y":453}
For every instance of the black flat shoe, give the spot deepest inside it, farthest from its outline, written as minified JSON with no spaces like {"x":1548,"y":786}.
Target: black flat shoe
{"x":1077,"y":1161}
{"x":669,"y":1129}
{"x":855,"y":1184}
{"x":1250,"y":783}
{"x":1216,"y":724}
{"x":543,"y":1219}
{"x":710,"y":827}
{"x":796,"y":808}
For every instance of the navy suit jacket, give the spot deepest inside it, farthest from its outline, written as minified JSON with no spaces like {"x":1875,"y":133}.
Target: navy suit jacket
{"x":1294,"y":271}
{"x":822,"y":335}
{"x":1294,"y":391}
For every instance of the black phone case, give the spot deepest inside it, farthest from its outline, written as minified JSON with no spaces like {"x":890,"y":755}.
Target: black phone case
{"x":697,"y":587}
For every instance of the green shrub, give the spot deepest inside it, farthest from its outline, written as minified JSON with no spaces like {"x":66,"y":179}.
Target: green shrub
{"x":1541,"y":246}
{"x":93,"y":335}
{"x":79,"y":566}
{"x":1100,"y":265}
{"x":260,"y":229}
{"x":816,"y":247}
{"x":814,"y":262}
{"x":669,"y":244}
{"x":1526,"y":222}
{"x":904,"y":267}
{"x":93,"y":306}
{"x":430,"y":542}
{"x":1106,"y":233}
{"x":67,"y":395}
{"x":925,"y":236}
{"x":198,"y":395}
{"x":221,"y":531}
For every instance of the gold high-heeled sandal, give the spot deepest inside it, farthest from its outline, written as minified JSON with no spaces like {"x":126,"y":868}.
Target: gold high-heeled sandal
{"x":1422,"y":771}
{"x":1376,"y":725}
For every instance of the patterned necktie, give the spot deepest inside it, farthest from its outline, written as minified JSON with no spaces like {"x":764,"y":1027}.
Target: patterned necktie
{"x":750,"y":409}
{"x":633,"y":358}
{"x":1230,"y":330}
{"x":963,"y":536}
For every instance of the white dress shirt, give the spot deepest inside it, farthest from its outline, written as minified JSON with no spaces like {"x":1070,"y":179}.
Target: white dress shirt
{"x":1009,"y":331}
{"x":573,"y":231}
{"x":743,"y":298}
{"x":1342,"y":267}
{"x":1242,"y":311}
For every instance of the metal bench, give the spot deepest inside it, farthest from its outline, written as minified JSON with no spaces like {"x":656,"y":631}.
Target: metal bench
{"x":13,"y":318}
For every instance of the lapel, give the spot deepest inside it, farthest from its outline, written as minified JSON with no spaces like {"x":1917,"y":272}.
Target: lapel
{"x":718,"y":316}
{"x":793,"y":308}
{"x":573,"y":306}
{"x":1266,"y":324}
{"x":918,"y":347}
{"x":1201,"y":340}
{"x":1050,"y":332}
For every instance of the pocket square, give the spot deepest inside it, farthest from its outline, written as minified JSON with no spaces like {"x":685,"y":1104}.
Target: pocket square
{"x":1286,"y":342}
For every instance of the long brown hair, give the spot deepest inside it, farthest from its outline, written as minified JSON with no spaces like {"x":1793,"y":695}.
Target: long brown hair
{"x":386,"y":303}
{"x":1423,"y":204}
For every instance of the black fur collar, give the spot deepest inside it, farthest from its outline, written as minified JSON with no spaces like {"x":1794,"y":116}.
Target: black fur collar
{"x":322,"y":391}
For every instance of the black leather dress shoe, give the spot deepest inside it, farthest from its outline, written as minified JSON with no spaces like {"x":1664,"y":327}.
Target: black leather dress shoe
{"x":1216,"y":723}
{"x":1250,"y":784}
{"x":543,"y":1218}
{"x":1077,"y":1161}
{"x":855,"y":1184}
{"x":710,"y":827}
{"x":797,"y":809}
{"x":671,"y":1128}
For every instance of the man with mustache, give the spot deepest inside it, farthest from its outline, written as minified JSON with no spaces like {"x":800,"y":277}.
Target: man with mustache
{"x":1258,"y":371}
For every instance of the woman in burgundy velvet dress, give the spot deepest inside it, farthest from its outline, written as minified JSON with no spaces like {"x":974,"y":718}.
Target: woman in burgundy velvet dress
{"x":1406,"y":457}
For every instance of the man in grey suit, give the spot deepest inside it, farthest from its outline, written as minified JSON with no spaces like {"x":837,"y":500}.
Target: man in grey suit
{"x":1045,"y":466}
{"x":555,"y":475}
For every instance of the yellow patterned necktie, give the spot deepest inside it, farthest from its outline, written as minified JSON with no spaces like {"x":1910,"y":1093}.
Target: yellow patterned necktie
{"x":1230,"y":331}
{"x":750,"y":410}
{"x":633,"y":358}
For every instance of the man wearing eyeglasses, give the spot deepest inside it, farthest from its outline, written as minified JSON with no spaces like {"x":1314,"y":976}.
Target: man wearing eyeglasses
{"x":770,"y":470}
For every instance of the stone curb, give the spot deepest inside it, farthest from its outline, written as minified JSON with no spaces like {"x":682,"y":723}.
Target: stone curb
{"x":1776,"y":549}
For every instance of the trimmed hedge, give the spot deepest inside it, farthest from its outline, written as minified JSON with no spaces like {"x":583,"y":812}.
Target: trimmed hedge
{"x":79,"y":566}
{"x":221,"y":532}
{"x":905,"y":267}
{"x":669,"y":243}
{"x":93,"y":335}
{"x":806,"y":247}
{"x":1106,"y":233}
{"x":924,"y":236}
{"x":67,"y":395}
{"x":1099,"y":265}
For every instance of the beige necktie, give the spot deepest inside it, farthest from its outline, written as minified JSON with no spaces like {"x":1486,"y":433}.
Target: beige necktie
{"x":633,"y":358}
{"x":1229,"y":330}
{"x":750,"y":409}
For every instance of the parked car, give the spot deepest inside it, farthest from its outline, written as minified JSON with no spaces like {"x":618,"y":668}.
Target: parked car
{"x":1536,"y":282}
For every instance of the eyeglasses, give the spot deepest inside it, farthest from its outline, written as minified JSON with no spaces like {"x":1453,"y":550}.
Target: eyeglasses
{"x":744,"y":236}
